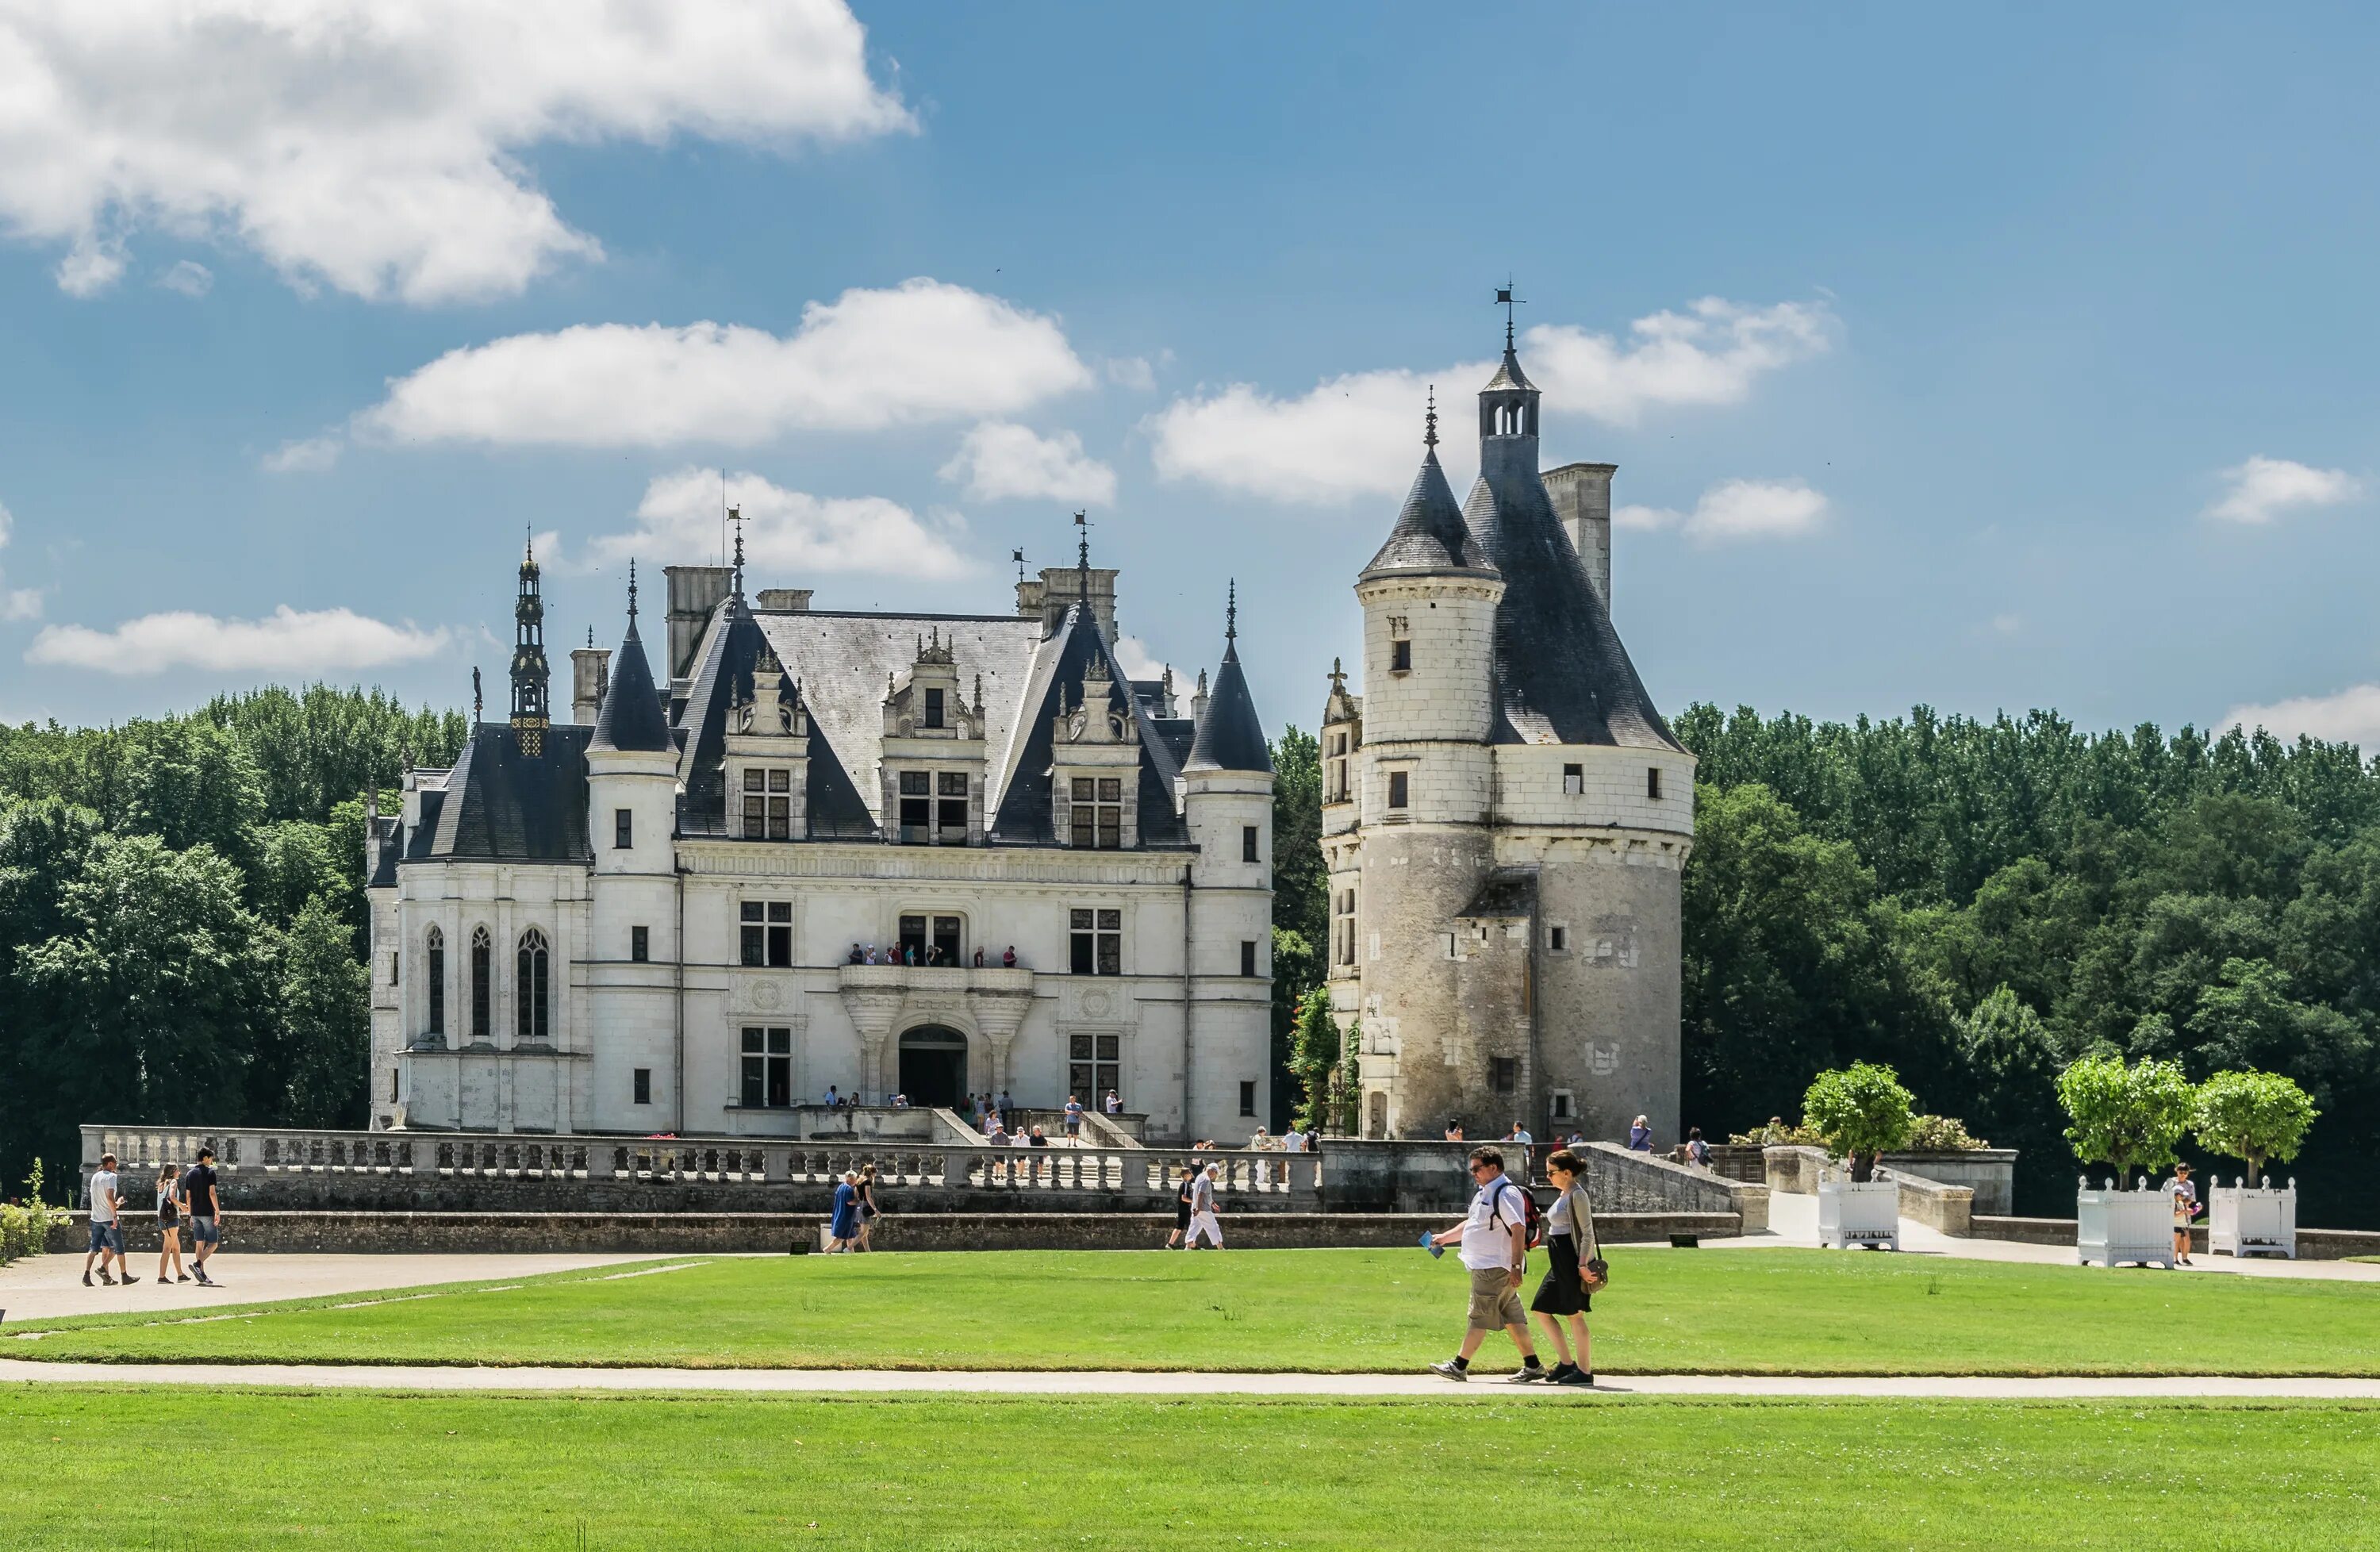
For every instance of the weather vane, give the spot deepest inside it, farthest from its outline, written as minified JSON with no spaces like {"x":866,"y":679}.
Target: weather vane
{"x":1505,"y":299}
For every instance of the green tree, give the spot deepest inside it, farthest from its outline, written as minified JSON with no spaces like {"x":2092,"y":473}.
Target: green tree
{"x":2253,"y":1116}
{"x":323,"y":1035}
{"x":1301,"y":901}
{"x":1861,"y":1110}
{"x":2129,"y":1116}
{"x":1315,"y":1059}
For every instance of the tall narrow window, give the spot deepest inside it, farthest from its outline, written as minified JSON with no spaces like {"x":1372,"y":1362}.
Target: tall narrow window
{"x":643,"y":1080}
{"x":1247,"y":956}
{"x":434,"y":951}
{"x":767,"y":1067}
{"x":1097,"y":942}
{"x":951,"y":807}
{"x":1400,"y":656}
{"x":1653,"y":781}
{"x":1093,"y":1066}
{"x":531,"y":998}
{"x":1573,"y":780}
{"x":1397,"y":789}
{"x":624,"y":829}
{"x":1248,"y":844}
{"x":483,"y":992}
{"x":1247,"y":1096}
{"x":767,"y":935}
{"x":933,"y":708}
{"x":640,"y":943}
{"x":917,"y":807}
{"x":1506,"y":1073}
{"x":755,"y":932}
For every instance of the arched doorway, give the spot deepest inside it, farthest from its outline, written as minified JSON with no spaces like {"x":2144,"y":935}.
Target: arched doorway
{"x":933,"y":1065}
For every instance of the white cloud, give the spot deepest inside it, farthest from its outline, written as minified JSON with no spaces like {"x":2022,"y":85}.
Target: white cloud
{"x":1356,"y":435}
{"x":374,"y":146}
{"x":1000,"y":460}
{"x":1359,"y":434}
{"x":17,"y":603}
{"x":190,"y":277}
{"x":2351,"y":716}
{"x":1137,"y":662}
{"x":2007,"y":625}
{"x":307,"y":456}
{"x":787,"y":534}
{"x":1130,"y":371}
{"x":1736,"y":509}
{"x":1710,"y":354}
{"x":288,"y":640}
{"x":2262,"y":488}
{"x":921,"y":351}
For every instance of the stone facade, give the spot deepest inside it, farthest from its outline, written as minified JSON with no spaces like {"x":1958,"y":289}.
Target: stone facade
{"x":1505,"y":815}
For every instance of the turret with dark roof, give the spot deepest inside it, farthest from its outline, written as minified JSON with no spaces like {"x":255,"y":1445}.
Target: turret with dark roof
{"x":1429,"y":534}
{"x":1231,"y":735}
{"x":631,"y":721}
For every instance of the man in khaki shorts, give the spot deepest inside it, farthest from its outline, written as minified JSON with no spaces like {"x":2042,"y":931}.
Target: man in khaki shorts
{"x":1495,"y":1240}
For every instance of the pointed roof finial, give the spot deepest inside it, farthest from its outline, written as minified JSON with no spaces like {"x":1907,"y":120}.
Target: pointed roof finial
{"x":736,"y":515}
{"x":1231,"y":612}
{"x":590,"y":638}
{"x":1429,"y":421}
{"x":1505,"y":299}
{"x":632,"y":594}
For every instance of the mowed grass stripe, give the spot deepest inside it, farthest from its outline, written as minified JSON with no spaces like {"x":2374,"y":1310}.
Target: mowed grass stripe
{"x":229,"y":1468}
{"x":1667,"y":1312}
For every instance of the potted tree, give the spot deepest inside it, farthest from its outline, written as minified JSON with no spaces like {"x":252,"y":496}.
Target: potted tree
{"x":2132,"y":1117}
{"x":2253,"y":1116}
{"x":1859,"y":1111}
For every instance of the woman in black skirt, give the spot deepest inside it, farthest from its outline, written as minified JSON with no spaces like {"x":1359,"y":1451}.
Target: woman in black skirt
{"x":1568,"y":1234}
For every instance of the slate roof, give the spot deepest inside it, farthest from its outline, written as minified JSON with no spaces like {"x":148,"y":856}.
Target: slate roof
{"x":632,"y":719}
{"x":1231,"y":736}
{"x":1561,"y":674}
{"x":1024,"y":813}
{"x":503,"y":804}
{"x":1509,"y":374}
{"x":1429,"y":534}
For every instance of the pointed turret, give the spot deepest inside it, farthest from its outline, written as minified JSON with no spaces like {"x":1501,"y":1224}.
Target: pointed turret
{"x":1430,"y":534}
{"x":1231,"y":735}
{"x":631,"y":719}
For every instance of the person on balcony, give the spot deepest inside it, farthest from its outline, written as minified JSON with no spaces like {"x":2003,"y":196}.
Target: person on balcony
{"x":1008,"y":960}
{"x":857,"y":955}
{"x":1114,"y":1105}
{"x":1074,"y":1118}
{"x":978,"y":957}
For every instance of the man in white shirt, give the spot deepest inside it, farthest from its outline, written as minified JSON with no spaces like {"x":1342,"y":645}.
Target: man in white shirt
{"x":106,"y":1228}
{"x":1202,"y":1211}
{"x":1495,"y":1241}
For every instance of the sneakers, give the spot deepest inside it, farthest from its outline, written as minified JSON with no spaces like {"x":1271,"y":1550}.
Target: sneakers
{"x":86,"y":1279}
{"x":105,"y":1278}
{"x":180,"y":1276}
{"x":1571,"y":1374}
{"x":167,"y":1282}
{"x":1451,"y":1370}
{"x":1528,"y":1375}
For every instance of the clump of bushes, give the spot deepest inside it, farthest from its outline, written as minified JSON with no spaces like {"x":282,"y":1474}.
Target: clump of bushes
{"x":1934,"y":1133}
{"x":24,"y":1226}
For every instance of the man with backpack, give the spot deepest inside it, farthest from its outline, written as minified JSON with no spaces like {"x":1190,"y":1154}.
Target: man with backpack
{"x":1495,"y":1240}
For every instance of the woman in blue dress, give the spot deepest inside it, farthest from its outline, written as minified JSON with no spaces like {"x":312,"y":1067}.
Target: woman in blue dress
{"x":842,"y":1228}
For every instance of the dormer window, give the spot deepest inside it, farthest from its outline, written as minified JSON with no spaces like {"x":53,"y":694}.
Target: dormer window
{"x":1097,"y":818}
{"x":768,"y":803}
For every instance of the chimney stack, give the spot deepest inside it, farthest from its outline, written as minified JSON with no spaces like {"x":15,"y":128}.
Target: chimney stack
{"x":1581,"y":496}
{"x":591,"y":673}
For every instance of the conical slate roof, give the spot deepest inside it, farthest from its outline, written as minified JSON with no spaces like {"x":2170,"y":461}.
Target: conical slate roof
{"x":631,"y":721}
{"x":1509,"y":374}
{"x":1231,"y":737}
{"x":1430,"y":534}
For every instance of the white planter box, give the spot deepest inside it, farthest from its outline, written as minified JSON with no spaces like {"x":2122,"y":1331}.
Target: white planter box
{"x":2112,"y":1227}
{"x":1859,"y":1213}
{"x":2250,"y":1220}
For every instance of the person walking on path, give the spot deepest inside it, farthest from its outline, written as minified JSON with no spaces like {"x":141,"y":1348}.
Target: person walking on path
{"x":1697,"y":1151}
{"x":1495,"y":1241}
{"x":1202,"y":1210}
{"x":867,"y":1208}
{"x":169,"y":1224}
{"x":1522,"y":1143}
{"x":1180,"y":1211}
{"x":2184,"y":1193}
{"x":843,"y":1224}
{"x":1640,"y":1136}
{"x":1576,"y":1270}
{"x":1073,"y":1118}
{"x":202,"y":1194}
{"x":106,"y":1231}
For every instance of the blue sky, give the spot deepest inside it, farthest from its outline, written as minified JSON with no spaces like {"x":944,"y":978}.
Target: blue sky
{"x":1990,"y":361}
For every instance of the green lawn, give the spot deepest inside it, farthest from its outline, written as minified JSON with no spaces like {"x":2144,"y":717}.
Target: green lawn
{"x":1667,"y":1312}
{"x":223,"y":1468}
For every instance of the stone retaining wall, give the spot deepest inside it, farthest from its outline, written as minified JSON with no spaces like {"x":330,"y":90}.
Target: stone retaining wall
{"x":676,"y":1233}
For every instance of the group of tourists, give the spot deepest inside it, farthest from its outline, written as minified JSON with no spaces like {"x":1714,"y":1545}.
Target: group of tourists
{"x":194,"y":1198}
{"x":927,"y":954}
{"x":1194,"y":1209}
{"x":1502,"y":1226}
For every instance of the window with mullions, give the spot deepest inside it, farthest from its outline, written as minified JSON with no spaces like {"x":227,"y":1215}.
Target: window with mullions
{"x":951,"y":807}
{"x":944,"y":943}
{"x":917,"y":807}
{"x":1094,"y":1065}
{"x":768,"y":803}
{"x":531,"y":998}
{"x":767,"y":1067}
{"x":1097,"y":942}
{"x":768,"y":936}
{"x":1097,"y":816}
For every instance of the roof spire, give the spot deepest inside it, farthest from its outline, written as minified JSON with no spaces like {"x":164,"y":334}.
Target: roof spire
{"x":736,"y":515}
{"x":1505,"y":299}
{"x":1429,"y":421}
{"x":632,"y":594}
{"x":1231,"y":612}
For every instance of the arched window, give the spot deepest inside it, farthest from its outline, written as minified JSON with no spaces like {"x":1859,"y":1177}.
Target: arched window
{"x":482,"y":982}
{"x":434,"y":947}
{"x":529,"y":1001}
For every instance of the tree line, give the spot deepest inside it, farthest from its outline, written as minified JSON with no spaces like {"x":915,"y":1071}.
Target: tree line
{"x":182,"y":914}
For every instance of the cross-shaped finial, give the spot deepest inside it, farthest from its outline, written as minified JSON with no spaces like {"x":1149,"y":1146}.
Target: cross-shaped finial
{"x":1505,"y":299}
{"x":1338,"y":678}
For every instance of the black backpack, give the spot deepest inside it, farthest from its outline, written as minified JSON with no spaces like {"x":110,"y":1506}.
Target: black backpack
{"x":1531,"y":1216}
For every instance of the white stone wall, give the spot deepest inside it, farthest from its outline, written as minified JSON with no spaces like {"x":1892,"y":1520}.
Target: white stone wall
{"x":1530,"y":787}
{"x":1447,"y":693}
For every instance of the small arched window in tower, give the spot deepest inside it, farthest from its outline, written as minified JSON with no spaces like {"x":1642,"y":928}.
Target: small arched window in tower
{"x":529,"y":988}
{"x":434,"y":954}
{"x":482,"y":976}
